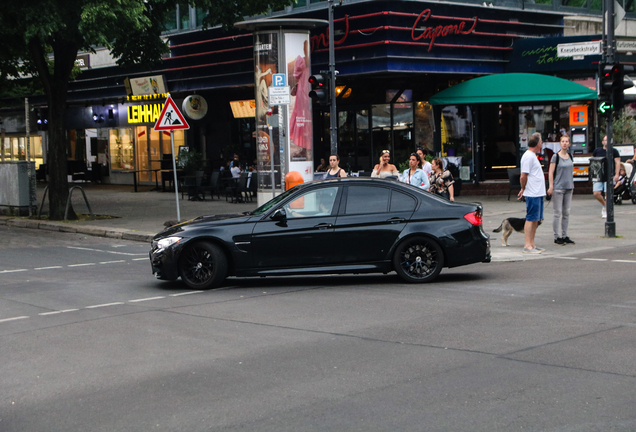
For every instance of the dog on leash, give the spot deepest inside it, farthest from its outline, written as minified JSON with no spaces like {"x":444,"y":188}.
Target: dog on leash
{"x":508,"y":226}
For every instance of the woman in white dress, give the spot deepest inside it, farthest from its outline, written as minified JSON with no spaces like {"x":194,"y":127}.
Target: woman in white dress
{"x":385,"y":169}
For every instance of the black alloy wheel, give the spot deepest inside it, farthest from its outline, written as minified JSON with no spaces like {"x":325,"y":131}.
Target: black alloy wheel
{"x":203,"y":266}
{"x":418,"y":260}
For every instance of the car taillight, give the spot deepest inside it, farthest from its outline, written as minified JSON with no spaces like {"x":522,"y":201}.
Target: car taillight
{"x":474,"y":218}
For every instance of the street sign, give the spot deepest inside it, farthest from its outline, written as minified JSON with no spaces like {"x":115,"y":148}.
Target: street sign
{"x":171,"y":118}
{"x":579,"y":49}
{"x":279,"y":95}
{"x":625,"y":45}
{"x":278,"y":80}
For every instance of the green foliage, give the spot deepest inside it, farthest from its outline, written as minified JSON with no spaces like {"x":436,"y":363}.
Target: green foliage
{"x":402,"y":166}
{"x":623,"y":129}
{"x":191,"y":162}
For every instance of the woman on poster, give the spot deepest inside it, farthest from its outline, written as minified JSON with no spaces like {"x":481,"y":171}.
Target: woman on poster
{"x":300,"y":128}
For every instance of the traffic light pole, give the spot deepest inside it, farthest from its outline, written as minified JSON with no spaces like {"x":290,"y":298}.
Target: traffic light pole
{"x":610,"y":225}
{"x":333,"y":121}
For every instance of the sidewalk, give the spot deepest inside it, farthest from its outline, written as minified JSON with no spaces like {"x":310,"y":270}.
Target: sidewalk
{"x":139,"y":216}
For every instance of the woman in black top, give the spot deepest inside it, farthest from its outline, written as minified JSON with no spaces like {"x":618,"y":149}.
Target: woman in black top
{"x":334,"y":170}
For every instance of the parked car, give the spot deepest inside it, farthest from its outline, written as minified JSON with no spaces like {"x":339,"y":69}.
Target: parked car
{"x":348,"y":225}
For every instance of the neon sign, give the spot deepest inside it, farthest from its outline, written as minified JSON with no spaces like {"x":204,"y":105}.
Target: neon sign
{"x":433,"y":33}
{"x":144,"y":113}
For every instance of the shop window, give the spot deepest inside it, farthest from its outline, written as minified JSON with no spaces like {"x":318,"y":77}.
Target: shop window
{"x":457,"y":138}
{"x":363,"y":141}
{"x":14,"y":148}
{"x":381,"y":123}
{"x":424,"y":126}
{"x":121,"y":148}
{"x":402,"y":132}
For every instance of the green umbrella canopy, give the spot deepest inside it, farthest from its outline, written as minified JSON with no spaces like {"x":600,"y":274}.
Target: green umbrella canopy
{"x":512,"y":87}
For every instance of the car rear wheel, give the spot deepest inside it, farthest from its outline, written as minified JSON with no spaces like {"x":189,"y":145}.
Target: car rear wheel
{"x":418,"y":260}
{"x":203,"y":266}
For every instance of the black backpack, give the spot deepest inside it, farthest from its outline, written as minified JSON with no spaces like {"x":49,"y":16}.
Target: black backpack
{"x":598,"y":169}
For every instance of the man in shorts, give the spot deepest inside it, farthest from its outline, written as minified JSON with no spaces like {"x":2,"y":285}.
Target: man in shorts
{"x":533,"y":189}
{"x":599,"y":187}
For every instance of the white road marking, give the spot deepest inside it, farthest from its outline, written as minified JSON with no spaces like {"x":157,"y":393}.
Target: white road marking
{"x":80,"y":265}
{"x":593,"y":259}
{"x":47,"y":268}
{"x":13,"y":271}
{"x":624,"y":261}
{"x":570,"y":258}
{"x":185,"y":293}
{"x":111,"y":262}
{"x":58,"y":312}
{"x":13,"y":319}
{"x":106,"y":251}
{"x":139,"y":259}
{"x":145,"y":299}
{"x":104,"y":305}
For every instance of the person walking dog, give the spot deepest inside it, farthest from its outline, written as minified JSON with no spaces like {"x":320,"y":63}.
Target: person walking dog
{"x":533,"y":189}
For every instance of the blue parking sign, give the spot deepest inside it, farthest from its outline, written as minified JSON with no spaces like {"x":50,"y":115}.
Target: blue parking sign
{"x":278,"y":80}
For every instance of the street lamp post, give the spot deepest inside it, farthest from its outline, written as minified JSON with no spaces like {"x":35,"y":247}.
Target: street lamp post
{"x":608,"y":57}
{"x":333,"y":121}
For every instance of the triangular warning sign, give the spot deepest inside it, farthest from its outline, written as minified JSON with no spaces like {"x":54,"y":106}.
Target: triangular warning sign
{"x":171,"y":118}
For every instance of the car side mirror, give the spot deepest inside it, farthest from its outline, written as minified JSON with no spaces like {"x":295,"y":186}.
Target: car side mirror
{"x":279,"y":215}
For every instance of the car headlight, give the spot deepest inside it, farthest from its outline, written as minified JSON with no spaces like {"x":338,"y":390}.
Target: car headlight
{"x":165,"y":243}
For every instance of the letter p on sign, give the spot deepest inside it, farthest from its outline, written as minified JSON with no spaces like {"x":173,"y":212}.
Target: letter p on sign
{"x":278,"y":80}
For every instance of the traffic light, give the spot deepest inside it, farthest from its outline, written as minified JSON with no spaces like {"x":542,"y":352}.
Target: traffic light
{"x":320,"y":90}
{"x":612,"y":83}
{"x":607,"y":76}
{"x":620,"y":85}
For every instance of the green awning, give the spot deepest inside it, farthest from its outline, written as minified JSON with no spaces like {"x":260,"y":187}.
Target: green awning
{"x":512,"y":87}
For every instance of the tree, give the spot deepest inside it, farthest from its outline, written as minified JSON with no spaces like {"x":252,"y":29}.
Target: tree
{"x":43,"y":38}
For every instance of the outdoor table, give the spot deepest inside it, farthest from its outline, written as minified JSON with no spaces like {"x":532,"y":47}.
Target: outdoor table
{"x":135,"y":172}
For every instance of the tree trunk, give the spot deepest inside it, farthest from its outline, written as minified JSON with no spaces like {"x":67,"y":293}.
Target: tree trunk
{"x":57,"y":159}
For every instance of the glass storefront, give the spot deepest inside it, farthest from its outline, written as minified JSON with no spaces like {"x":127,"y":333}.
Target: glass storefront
{"x":14,"y":148}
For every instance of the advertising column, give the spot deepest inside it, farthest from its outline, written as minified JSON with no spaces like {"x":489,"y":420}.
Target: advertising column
{"x":284,"y":131}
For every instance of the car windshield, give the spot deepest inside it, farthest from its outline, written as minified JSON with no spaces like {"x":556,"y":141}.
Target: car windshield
{"x":271,"y":203}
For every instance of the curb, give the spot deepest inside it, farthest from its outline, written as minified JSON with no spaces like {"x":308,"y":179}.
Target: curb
{"x":107,"y":232}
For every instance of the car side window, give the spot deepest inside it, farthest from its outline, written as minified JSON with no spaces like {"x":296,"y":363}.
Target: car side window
{"x":367,"y":199}
{"x":401,"y":202}
{"x":315,"y":203}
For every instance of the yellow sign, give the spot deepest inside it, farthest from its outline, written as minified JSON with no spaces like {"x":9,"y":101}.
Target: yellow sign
{"x":144,"y":113}
{"x":161,"y":96}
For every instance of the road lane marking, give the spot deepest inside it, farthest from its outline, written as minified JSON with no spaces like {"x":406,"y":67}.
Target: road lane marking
{"x":624,"y":261}
{"x":111,"y":262}
{"x":13,"y":319}
{"x":104,"y":305}
{"x":80,"y":265}
{"x":593,"y":259}
{"x":139,"y":259}
{"x":106,"y":251}
{"x":58,"y":312}
{"x":570,"y":258}
{"x":145,"y":299}
{"x":47,"y":268}
{"x":185,"y":293}
{"x":13,"y":271}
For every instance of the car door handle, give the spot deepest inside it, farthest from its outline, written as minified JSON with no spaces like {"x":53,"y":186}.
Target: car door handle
{"x":396,"y":220}
{"x":324,"y":226}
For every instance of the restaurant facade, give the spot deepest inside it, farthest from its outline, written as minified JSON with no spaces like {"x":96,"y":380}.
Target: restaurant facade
{"x":392,"y":58}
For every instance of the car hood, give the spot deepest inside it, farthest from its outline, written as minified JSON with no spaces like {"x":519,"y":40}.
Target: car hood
{"x":209,"y":220}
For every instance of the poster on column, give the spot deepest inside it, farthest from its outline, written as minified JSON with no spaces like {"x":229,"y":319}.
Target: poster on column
{"x":297,"y":59}
{"x":266,"y":64}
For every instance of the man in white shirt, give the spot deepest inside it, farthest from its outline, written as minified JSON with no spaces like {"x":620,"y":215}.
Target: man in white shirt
{"x":236,"y":171}
{"x":533,"y":189}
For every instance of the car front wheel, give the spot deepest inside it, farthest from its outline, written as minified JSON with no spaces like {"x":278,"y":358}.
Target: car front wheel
{"x":203,"y":266}
{"x":418,"y":260}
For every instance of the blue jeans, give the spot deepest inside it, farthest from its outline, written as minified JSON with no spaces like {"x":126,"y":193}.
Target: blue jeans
{"x":534,"y":209}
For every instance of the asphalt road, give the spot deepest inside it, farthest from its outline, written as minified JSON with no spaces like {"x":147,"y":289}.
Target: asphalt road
{"x":91,"y":342}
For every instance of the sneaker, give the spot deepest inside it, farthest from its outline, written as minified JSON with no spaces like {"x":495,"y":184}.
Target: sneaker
{"x":560,"y":241}
{"x":604,"y":213}
{"x":568,"y":240}
{"x":539,"y":249}
{"x":531,"y":251}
